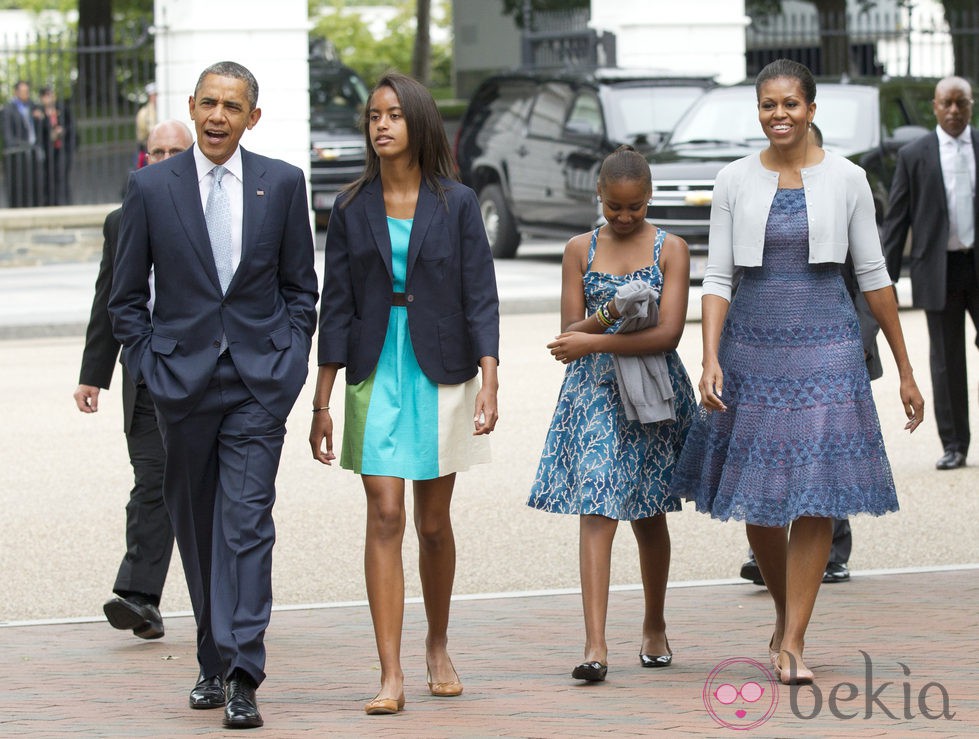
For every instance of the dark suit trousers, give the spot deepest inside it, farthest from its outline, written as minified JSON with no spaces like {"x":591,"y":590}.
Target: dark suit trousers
{"x":946,"y":334}
{"x":842,"y":541}
{"x":149,"y":535}
{"x":220,"y":487}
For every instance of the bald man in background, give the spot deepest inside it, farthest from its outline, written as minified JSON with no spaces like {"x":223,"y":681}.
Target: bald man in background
{"x":149,"y":535}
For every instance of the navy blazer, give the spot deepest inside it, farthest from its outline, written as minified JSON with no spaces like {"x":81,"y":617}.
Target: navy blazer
{"x":450,"y":286}
{"x":918,"y":202}
{"x":268,"y":313}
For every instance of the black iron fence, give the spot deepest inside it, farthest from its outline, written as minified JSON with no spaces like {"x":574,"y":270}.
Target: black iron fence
{"x":903,"y":42}
{"x":562,"y":38}
{"x":80,"y":147}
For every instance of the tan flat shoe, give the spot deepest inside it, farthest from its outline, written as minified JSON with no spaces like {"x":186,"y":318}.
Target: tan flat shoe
{"x":443,"y":690}
{"x":794,"y":674}
{"x":384,"y":706}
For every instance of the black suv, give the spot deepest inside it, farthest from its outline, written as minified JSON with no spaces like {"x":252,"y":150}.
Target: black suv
{"x":866,"y":121}
{"x":531,"y":142}
{"x":336,"y":102}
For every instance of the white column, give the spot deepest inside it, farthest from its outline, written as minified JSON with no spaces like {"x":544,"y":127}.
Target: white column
{"x":705,"y":36}
{"x":269,"y":38}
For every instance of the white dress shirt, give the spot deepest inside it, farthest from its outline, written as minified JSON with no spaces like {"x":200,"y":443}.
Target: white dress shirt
{"x":233,"y":186}
{"x":948,"y":149}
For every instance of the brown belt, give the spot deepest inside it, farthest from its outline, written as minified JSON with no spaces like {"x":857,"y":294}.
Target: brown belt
{"x":398,"y":299}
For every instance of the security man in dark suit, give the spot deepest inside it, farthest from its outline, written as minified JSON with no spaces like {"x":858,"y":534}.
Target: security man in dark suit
{"x":933,"y":195}
{"x":149,"y":536}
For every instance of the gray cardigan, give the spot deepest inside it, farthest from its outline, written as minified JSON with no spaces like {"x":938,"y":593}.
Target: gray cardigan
{"x":644,"y":379}
{"x":839,"y":206}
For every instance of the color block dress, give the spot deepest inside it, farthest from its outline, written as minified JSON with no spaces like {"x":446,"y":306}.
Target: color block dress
{"x":800,"y":436}
{"x":397,"y":422}
{"x":595,"y":461}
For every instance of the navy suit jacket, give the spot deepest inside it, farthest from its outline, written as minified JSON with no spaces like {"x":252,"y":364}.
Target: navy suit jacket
{"x":918,"y":202}
{"x":269,"y":312}
{"x":450,"y":286}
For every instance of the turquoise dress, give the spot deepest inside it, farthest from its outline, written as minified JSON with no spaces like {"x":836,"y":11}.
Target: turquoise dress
{"x":596,"y":461}
{"x":399,"y":423}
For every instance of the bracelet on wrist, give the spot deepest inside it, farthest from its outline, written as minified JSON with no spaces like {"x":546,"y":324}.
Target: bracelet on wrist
{"x":324,"y":408}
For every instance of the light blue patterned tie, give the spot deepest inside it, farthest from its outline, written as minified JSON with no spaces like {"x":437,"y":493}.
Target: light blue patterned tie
{"x":217,"y":213}
{"x":963,"y":196}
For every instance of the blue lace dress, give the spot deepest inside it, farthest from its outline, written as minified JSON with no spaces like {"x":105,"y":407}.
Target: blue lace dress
{"x":800,"y":436}
{"x":594,"y":460}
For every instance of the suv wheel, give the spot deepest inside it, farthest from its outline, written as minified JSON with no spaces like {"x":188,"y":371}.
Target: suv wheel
{"x":498,"y":221}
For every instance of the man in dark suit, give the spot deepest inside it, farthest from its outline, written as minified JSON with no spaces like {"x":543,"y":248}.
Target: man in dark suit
{"x":933,"y":195}
{"x":227,"y":234}
{"x":21,"y":153}
{"x":149,"y":536}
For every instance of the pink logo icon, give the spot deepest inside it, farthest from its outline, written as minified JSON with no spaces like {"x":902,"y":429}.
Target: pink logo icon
{"x":740,"y":694}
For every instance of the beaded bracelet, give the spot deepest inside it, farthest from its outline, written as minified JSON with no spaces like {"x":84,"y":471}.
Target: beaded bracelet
{"x":603,"y":316}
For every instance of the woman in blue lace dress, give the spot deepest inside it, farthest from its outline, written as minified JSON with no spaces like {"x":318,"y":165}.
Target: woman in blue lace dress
{"x":597,"y":463}
{"x":792,"y":439}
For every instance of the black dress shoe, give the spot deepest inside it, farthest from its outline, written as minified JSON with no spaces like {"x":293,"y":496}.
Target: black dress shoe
{"x":593,"y":672}
{"x":950,"y":461}
{"x":241,"y":709}
{"x":208,"y":692}
{"x":750,"y":571}
{"x":836,"y":572}
{"x":136,"y":614}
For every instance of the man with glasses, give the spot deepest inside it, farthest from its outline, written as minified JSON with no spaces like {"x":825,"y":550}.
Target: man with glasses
{"x":933,"y":194}
{"x":149,"y":535}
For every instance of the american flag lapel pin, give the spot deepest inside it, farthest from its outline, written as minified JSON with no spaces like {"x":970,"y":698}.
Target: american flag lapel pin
{"x":260,"y":193}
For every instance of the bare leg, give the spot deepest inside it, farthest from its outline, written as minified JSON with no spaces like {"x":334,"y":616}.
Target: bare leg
{"x":384,"y":572}
{"x":436,"y":567}
{"x":653,"y":539}
{"x":596,"y":534}
{"x":809,"y":543}
{"x":770,"y":545}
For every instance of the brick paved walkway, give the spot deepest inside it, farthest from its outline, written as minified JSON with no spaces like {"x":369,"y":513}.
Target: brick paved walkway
{"x":514,"y":655}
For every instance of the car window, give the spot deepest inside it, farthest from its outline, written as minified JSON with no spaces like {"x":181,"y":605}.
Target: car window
{"x":848,"y":117}
{"x":725,"y":115}
{"x":508,"y":108}
{"x":547,"y":116}
{"x":635,"y":112}
{"x":336,"y":98}
{"x":586,"y":116}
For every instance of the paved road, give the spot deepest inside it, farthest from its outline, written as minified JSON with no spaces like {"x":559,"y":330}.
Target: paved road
{"x":65,"y":476}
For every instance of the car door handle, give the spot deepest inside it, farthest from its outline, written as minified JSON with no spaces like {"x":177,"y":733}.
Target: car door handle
{"x":559,"y":157}
{"x":522,"y":150}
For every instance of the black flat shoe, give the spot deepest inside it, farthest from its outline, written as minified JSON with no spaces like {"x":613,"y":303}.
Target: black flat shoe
{"x":241,"y":709}
{"x":208,"y":692}
{"x":593,"y":672}
{"x":655,"y":660}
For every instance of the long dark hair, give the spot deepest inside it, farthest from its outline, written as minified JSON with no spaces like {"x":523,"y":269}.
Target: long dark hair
{"x":428,"y":146}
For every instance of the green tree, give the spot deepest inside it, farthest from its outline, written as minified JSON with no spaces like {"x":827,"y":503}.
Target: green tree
{"x":963,"y":22}
{"x":370,"y":57}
